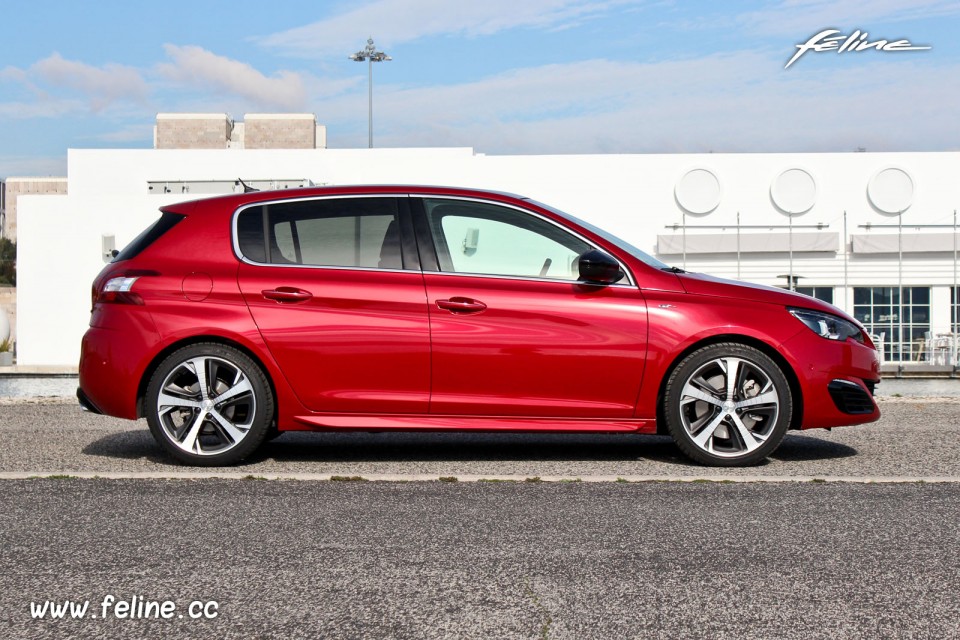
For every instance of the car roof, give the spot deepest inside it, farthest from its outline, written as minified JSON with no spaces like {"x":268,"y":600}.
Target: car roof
{"x":237,"y":200}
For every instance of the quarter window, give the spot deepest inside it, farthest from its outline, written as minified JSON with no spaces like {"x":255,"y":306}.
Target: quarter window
{"x":347,"y":232}
{"x":480,"y":238}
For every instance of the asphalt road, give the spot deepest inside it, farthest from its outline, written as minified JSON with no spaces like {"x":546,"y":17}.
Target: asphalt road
{"x":422,"y":560}
{"x":916,"y":438}
{"x":580,"y":560}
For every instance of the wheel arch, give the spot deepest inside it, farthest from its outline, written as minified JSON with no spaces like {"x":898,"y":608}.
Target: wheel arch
{"x":200,"y":339}
{"x":796,"y":417}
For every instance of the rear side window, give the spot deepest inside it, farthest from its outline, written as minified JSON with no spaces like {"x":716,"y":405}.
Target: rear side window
{"x":347,"y":232}
{"x":148,"y":236}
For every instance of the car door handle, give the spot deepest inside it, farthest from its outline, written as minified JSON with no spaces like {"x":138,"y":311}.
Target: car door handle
{"x":461,"y":305}
{"x":287,"y":294}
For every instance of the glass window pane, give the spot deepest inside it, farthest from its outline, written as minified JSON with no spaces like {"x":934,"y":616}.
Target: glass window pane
{"x":250,"y":233}
{"x":493,"y":240}
{"x":347,"y":232}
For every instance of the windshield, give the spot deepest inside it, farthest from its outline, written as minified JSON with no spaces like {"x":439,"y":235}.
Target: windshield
{"x":620,"y":243}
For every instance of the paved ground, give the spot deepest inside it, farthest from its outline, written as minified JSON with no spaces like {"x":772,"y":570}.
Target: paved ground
{"x":916,"y":438}
{"x":423,"y":560}
{"x":501,"y":560}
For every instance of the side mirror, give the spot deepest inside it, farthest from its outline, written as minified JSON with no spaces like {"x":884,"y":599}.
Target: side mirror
{"x":597,"y":267}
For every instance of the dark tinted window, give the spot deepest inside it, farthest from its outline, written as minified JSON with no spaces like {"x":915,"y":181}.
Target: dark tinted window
{"x":149,"y":235}
{"x":347,"y":232}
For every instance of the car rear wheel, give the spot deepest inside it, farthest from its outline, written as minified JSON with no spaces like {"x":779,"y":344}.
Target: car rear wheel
{"x":727,"y":404}
{"x":209,"y":405}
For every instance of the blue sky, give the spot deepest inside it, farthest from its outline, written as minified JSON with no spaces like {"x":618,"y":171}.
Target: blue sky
{"x":501,"y":76}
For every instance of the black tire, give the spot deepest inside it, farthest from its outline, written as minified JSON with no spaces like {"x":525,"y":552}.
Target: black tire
{"x":721,"y":425}
{"x":227,"y":431}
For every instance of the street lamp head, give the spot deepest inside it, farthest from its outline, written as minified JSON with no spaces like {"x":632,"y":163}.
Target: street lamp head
{"x":370,"y":53}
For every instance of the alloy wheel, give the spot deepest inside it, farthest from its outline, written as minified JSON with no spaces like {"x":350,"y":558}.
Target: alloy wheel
{"x":206,"y":405}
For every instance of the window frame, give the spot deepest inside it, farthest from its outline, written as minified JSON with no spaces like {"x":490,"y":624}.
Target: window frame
{"x":898,"y":327}
{"x":430,"y":262}
{"x":410,"y":258}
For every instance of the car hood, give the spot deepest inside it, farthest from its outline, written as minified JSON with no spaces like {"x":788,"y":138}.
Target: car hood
{"x":705,"y":285}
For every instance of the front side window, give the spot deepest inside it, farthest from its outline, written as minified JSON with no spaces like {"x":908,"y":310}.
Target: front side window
{"x":487,"y":239}
{"x":346,"y":232}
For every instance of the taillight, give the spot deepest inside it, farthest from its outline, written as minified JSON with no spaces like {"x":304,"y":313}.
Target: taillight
{"x":118,"y":291}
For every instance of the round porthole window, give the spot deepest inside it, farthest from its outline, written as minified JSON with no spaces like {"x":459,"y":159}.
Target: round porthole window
{"x":794,"y":192}
{"x":891,"y":191}
{"x":698,"y":192}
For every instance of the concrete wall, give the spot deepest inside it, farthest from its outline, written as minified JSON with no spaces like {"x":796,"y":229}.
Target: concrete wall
{"x":280,"y":131}
{"x":192,"y":131}
{"x":17,"y":187}
{"x":219,"y":131}
{"x":633,"y":196}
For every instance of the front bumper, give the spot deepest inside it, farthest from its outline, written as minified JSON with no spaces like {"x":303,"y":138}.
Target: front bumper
{"x":837,"y":380}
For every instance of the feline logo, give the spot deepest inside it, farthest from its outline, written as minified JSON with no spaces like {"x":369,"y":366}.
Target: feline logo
{"x":856,"y":41}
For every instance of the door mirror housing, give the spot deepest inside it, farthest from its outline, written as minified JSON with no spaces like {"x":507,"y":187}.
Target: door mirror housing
{"x":597,"y":267}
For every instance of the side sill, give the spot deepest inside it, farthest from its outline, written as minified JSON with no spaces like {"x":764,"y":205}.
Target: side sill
{"x":471,"y":423}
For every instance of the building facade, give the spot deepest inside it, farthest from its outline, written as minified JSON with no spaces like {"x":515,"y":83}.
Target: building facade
{"x":873,"y":233}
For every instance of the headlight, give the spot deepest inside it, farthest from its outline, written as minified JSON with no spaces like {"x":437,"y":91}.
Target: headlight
{"x":827,"y":326}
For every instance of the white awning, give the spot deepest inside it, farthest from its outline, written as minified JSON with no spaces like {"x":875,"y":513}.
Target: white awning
{"x":912,"y":242}
{"x":772,"y":242}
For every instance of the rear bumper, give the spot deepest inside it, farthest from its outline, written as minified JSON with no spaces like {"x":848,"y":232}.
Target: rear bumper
{"x":112,"y":362}
{"x":85,"y":403}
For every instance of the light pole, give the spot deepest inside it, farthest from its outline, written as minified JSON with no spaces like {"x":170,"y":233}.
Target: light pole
{"x":370,"y":55}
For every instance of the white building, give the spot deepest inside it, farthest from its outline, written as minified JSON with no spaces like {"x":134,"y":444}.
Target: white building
{"x":724,"y":214}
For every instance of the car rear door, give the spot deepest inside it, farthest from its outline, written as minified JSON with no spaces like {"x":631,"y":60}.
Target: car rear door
{"x":514,"y":333}
{"x":335,"y":288}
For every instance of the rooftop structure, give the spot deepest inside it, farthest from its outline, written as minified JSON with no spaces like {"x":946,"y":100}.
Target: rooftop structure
{"x":257,"y":131}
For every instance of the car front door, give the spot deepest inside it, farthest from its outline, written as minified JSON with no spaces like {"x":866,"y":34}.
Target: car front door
{"x":335,"y":288}
{"x":513,"y":330}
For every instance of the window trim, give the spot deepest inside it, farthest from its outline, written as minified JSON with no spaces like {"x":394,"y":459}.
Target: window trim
{"x":403,"y":220}
{"x":413,"y":222}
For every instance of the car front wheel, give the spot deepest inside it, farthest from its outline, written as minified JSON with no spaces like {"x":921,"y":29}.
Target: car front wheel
{"x":727,"y":404}
{"x":209,"y":405}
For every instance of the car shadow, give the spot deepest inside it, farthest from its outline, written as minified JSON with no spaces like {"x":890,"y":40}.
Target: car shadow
{"x":325,"y":447}
{"x":128,"y":445}
{"x":798,"y":448}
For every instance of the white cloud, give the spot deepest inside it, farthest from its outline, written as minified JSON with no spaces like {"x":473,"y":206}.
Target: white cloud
{"x":33,"y":166}
{"x":796,"y":17}
{"x":393,"y":22}
{"x":44,"y":107}
{"x":128,"y":133}
{"x":734,"y":102}
{"x":198,"y":68}
{"x":102,"y":86}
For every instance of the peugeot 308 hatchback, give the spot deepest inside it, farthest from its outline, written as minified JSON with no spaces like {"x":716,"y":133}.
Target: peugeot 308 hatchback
{"x":383,"y":308}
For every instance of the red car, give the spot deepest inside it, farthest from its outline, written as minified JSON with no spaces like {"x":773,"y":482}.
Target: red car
{"x":423,"y":308}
